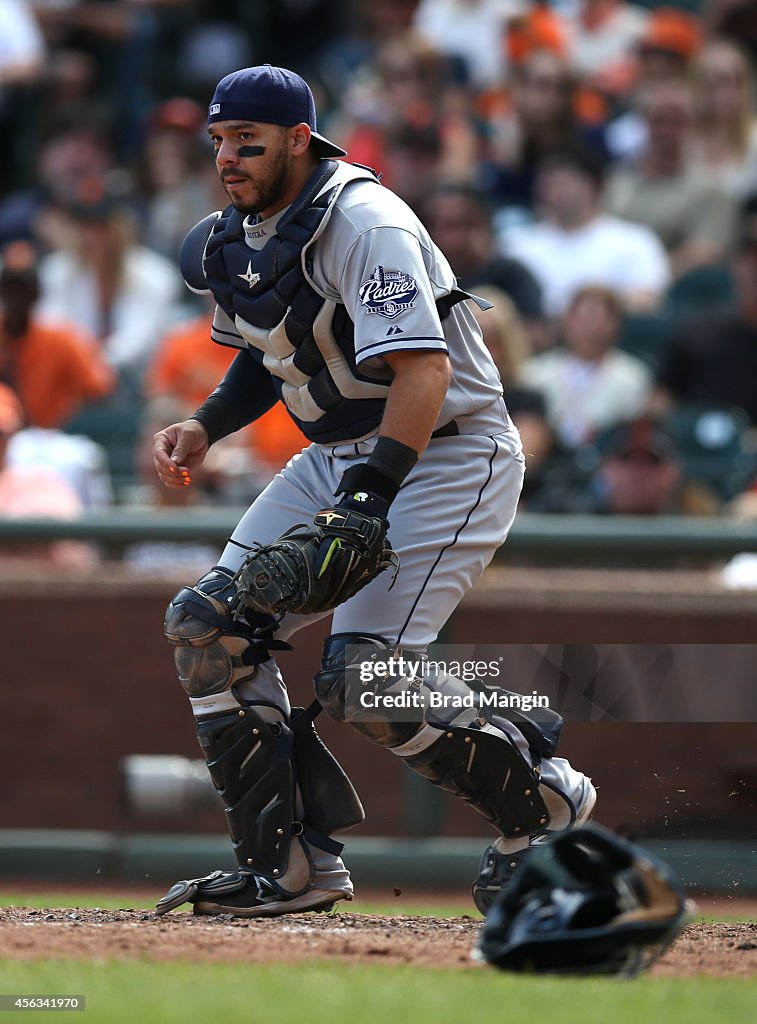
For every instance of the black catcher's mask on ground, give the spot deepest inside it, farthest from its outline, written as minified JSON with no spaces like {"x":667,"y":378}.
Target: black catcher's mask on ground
{"x":587,"y":902}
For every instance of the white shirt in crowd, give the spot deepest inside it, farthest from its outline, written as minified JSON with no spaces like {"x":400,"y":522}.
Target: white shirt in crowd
{"x":150,"y":290}
{"x":471,"y":29}
{"x":21,"y":42}
{"x":614,"y":39}
{"x":78,"y":460}
{"x":627,"y":257}
{"x":584,"y":398}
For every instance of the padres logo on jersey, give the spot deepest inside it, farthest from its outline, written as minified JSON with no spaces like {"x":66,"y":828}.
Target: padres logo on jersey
{"x":388,"y":292}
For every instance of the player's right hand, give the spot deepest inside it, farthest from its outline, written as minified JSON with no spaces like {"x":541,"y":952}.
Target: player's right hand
{"x":178,"y":450}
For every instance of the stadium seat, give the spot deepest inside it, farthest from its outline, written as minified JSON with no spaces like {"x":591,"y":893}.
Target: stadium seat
{"x":116,"y":426}
{"x":701,"y":290}
{"x":645,"y":336}
{"x":715,"y":446}
{"x":694,"y":7}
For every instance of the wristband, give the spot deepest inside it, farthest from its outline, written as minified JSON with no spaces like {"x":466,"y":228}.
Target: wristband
{"x":387,"y":466}
{"x":393,"y":458}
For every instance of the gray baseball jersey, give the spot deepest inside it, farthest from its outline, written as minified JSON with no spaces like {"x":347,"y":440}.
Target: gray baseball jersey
{"x":376,"y":258}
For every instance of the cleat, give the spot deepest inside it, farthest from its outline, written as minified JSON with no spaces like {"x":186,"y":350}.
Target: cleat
{"x":318,"y":901}
{"x":243,"y":894}
{"x":498,"y":867}
{"x":183,"y":892}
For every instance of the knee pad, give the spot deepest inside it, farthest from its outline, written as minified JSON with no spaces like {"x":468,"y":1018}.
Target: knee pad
{"x":216,"y":647}
{"x":339,"y":679}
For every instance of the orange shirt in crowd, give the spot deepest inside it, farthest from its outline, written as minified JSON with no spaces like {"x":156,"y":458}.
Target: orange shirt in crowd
{"x":54,"y":371}
{"x":276,"y":437}
{"x":188,"y":366}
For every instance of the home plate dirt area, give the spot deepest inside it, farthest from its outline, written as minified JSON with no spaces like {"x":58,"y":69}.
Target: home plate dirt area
{"x":716,"y":950}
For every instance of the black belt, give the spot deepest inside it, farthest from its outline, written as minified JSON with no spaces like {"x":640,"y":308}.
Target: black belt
{"x":450,"y":429}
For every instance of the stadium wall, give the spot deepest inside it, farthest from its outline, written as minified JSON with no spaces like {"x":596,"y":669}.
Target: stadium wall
{"x":89,"y":680}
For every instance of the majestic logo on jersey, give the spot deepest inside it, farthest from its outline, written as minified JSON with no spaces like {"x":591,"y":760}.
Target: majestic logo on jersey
{"x":388,"y":292}
{"x":249,"y":277}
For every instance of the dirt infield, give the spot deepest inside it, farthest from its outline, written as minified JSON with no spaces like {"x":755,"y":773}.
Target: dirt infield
{"x":718,"y":950}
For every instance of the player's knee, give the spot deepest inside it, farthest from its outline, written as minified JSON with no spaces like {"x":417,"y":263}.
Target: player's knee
{"x":342,"y":655}
{"x":197,"y":615}
{"x":346,"y":675}
{"x":203,"y":671}
{"x":215,"y":650}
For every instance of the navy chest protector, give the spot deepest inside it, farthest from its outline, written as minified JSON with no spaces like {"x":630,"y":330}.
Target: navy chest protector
{"x":305,"y":341}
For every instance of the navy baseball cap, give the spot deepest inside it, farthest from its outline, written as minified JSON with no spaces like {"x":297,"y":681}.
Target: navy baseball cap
{"x":272,"y":95}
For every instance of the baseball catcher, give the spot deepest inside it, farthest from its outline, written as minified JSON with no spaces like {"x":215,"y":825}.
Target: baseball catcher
{"x":343,"y":309}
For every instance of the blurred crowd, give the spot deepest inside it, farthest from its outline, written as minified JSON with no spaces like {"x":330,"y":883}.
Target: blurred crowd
{"x":589,"y":166}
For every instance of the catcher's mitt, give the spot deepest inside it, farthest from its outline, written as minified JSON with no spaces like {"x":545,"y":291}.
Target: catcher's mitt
{"x":315,"y":568}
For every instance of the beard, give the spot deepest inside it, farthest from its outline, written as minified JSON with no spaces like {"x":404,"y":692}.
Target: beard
{"x":268,"y":189}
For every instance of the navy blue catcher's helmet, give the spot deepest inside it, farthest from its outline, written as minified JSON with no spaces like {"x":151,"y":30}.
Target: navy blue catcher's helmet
{"x":586,"y":902}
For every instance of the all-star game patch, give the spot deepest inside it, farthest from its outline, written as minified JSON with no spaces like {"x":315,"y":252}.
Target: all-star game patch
{"x":388,"y":292}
